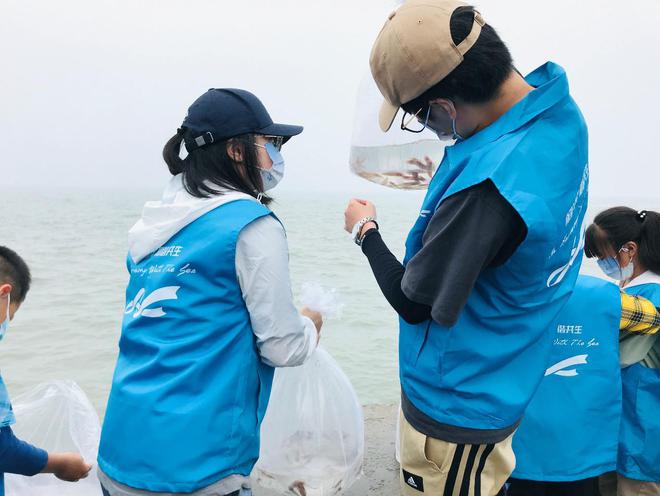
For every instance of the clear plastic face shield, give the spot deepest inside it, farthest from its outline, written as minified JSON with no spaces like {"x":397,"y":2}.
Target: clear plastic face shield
{"x":405,"y":157}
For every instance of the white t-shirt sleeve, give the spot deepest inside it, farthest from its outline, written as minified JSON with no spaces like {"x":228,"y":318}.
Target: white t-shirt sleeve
{"x":284,"y":337}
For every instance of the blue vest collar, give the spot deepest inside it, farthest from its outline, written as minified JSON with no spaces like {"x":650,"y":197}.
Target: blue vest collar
{"x":550,"y":87}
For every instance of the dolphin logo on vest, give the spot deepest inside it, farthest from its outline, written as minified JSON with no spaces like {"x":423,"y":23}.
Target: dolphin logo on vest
{"x":140,"y":302}
{"x":559,"y":368}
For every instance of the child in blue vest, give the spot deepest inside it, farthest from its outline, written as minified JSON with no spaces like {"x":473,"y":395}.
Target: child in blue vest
{"x":16,"y":456}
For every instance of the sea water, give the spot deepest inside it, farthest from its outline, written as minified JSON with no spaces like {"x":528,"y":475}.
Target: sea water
{"x":75,"y":244}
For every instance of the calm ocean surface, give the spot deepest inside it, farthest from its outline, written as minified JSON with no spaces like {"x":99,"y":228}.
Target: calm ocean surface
{"x":75,"y":244}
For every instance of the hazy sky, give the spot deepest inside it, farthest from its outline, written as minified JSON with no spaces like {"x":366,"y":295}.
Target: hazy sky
{"x":91,"y":90}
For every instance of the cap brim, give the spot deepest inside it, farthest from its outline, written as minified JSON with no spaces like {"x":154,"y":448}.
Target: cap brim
{"x":386,"y":115}
{"x":285,"y":130}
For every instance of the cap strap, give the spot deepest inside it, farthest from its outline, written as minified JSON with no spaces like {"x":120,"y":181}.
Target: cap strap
{"x":198,"y":142}
{"x":204,"y":139}
{"x":472,"y":38}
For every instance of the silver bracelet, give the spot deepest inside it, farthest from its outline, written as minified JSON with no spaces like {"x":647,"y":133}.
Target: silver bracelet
{"x":357,"y":228}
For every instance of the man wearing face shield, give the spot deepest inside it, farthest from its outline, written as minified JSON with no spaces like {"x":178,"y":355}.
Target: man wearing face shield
{"x":494,"y":254}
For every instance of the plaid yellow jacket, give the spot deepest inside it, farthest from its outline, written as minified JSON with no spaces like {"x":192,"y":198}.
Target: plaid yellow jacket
{"x":638,"y":315}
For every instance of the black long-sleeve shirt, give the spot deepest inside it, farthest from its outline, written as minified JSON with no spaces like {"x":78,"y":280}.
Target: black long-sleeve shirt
{"x":470,"y":231}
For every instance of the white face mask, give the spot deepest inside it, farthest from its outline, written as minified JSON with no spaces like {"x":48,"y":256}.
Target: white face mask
{"x":5,"y":324}
{"x":272,"y":177}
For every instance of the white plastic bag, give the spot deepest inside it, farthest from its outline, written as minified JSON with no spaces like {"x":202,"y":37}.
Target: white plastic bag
{"x":56,"y":416}
{"x":312,"y":437}
{"x":318,"y":299}
{"x":397,"y":159}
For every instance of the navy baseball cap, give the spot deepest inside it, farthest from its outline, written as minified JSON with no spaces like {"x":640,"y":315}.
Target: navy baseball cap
{"x":222,"y":113}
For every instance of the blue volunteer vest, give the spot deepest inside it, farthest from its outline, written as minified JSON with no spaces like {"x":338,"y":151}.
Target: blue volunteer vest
{"x":570,"y":428}
{"x":639,"y":438}
{"x":482,"y":372}
{"x":6,"y":412}
{"x":6,"y":419}
{"x":189,"y":390}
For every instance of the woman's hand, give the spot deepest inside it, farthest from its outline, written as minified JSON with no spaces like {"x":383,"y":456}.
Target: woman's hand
{"x":315,"y":317}
{"x":70,"y":467}
{"x":357,"y":210}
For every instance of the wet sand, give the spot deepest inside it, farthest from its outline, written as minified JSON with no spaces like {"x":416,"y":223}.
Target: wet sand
{"x":381,"y":470}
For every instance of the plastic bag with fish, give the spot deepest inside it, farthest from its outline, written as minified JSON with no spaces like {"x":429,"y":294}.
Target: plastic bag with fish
{"x":397,"y":159}
{"x":56,"y":416}
{"x":312,"y":437}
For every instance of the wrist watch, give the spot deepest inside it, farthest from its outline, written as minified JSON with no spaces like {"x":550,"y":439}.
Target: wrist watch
{"x":357,"y":228}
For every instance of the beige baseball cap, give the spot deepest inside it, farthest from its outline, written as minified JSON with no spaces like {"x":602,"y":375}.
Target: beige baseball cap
{"x":414,"y":51}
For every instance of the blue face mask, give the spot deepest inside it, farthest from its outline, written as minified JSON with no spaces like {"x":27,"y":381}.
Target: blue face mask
{"x":445,"y":136}
{"x":271,"y":177}
{"x":5,"y":324}
{"x":612,"y":269}
{"x":456,"y":136}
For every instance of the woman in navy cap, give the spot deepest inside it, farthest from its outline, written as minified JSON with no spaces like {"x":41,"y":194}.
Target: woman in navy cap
{"x":209,"y":310}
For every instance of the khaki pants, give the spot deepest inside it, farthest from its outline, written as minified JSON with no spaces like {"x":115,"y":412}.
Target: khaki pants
{"x":438,"y":468}
{"x":613,"y":484}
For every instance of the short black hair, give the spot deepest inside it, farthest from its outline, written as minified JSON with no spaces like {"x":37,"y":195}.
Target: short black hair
{"x":614,"y":227}
{"x":484,"y":68}
{"x":14,"y":270}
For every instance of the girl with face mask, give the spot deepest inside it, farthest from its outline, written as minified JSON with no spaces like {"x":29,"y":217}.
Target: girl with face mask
{"x":209,"y":310}
{"x":626,"y":243}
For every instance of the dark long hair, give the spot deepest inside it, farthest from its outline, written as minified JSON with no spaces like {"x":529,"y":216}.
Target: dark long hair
{"x":206,"y":170}
{"x":616,"y":226}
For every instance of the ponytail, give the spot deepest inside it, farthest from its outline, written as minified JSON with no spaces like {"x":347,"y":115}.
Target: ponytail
{"x":649,"y":242}
{"x":172,"y":152}
{"x":209,"y":170}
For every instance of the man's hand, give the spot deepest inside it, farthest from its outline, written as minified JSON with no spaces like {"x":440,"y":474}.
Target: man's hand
{"x":70,"y":467}
{"x":357,"y":210}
